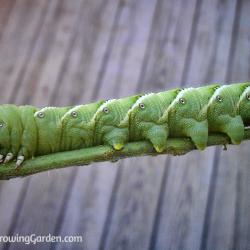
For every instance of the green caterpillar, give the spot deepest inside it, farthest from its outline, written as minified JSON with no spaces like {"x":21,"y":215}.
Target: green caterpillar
{"x":27,"y":131}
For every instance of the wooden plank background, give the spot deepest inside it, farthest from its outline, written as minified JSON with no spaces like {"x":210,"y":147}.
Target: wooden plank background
{"x":70,"y":52}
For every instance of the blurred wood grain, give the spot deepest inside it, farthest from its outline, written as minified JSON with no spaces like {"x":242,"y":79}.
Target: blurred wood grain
{"x":61,"y":53}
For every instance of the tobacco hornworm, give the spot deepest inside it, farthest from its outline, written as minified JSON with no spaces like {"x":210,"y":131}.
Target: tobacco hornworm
{"x":27,"y":131}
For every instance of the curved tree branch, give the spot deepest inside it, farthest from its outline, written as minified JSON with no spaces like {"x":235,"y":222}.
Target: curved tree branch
{"x":175,"y":146}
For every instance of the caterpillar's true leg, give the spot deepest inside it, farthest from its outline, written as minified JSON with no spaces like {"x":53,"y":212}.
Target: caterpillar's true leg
{"x":19,"y":161}
{"x":1,"y":158}
{"x":23,"y":154}
{"x":3,"y":153}
{"x":8,"y":157}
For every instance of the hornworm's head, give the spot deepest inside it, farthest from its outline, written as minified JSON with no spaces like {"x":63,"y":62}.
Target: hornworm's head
{"x":188,"y":104}
{"x":244,"y":106}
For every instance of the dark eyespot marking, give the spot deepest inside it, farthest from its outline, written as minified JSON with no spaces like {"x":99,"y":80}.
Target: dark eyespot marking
{"x":105,"y":110}
{"x":248,"y":96}
{"x":219,"y":98}
{"x":40,"y":114}
{"x":182,"y":101}
{"x":1,"y":125}
{"x":142,"y":106}
{"x":74,"y":114}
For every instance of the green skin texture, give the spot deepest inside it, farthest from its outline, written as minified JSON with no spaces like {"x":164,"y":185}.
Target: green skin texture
{"x":244,"y":106}
{"x":110,"y":127}
{"x":11,"y":132}
{"x":49,"y":129}
{"x":24,"y":133}
{"x":187,"y":116}
{"x":79,"y":130}
{"x":29,"y":140}
{"x":223,"y":114}
{"x":146,"y":122}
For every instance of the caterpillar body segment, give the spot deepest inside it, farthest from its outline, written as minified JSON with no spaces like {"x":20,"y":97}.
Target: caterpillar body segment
{"x":29,"y":139}
{"x":111,"y":127}
{"x":244,"y":106}
{"x":78,"y":126}
{"x":187,"y":117}
{"x":49,"y":129}
{"x":223,"y":113}
{"x":27,"y":131}
{"x":206,"y":93}
{"x":147,"y":121}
